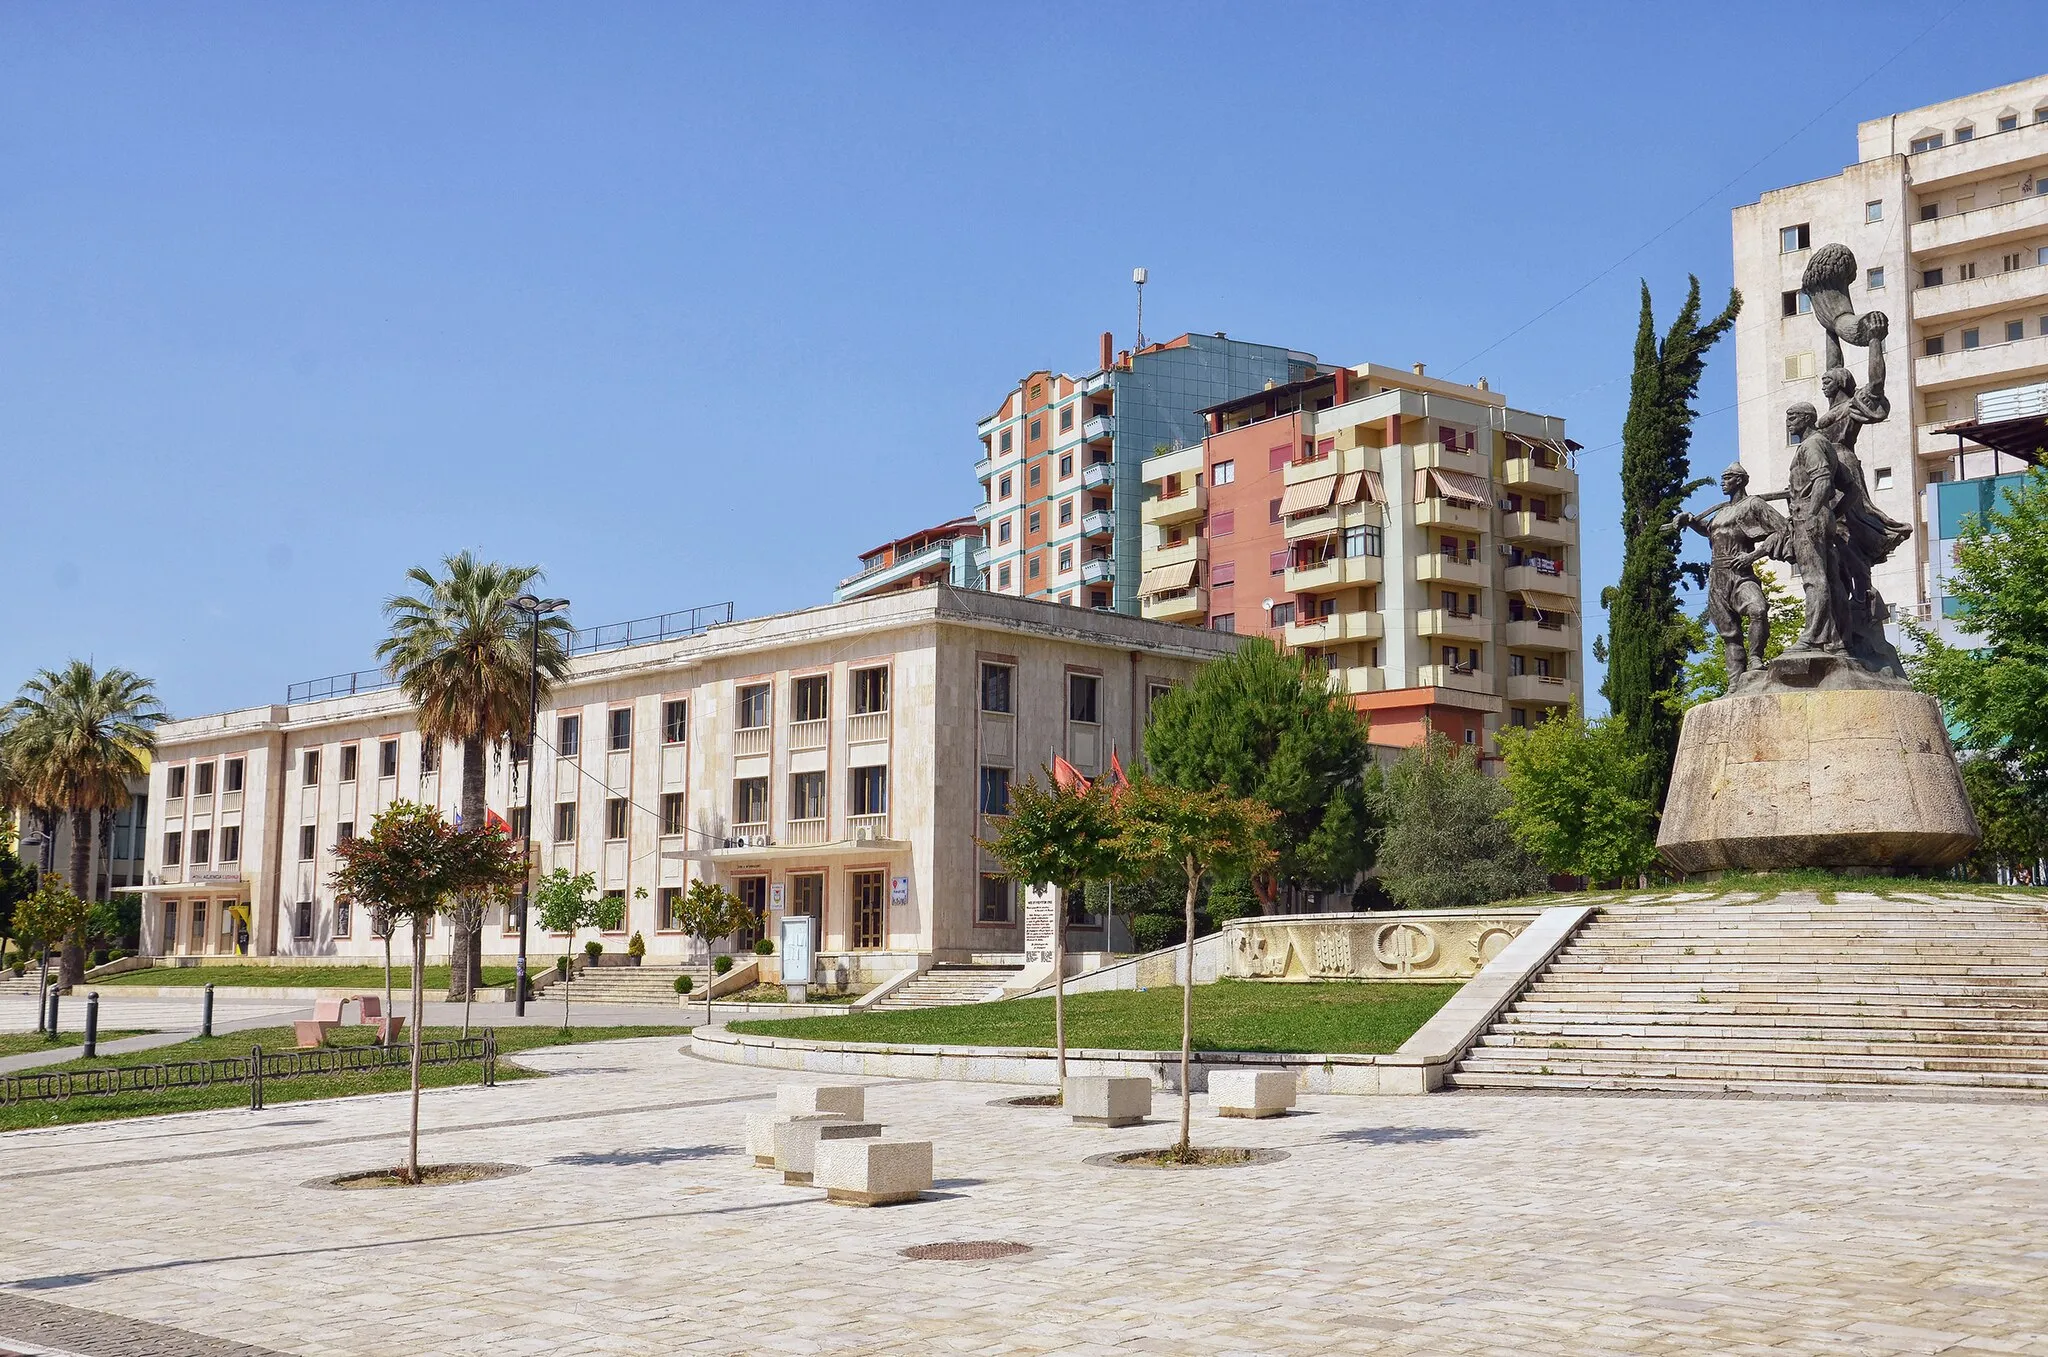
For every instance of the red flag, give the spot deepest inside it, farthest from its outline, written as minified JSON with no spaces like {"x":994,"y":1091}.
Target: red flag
{"x":1119,"y":781}
{"x":1066,"y":775}
{"x":492,"y":818}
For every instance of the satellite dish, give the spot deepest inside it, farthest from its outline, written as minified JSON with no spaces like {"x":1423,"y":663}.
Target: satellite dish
{"x":1267,"y":605}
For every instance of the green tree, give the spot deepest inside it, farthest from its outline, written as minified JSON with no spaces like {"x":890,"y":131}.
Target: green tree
{"x":707,"y":912}
{"x":1265,"y":725}
{"x":413,"y":865}
{"x":1647,"y":636}
{"x":1057,"y":836}
{"x":2012,"y":810}
{"x":1705,"y":675}
{"x":567,"y":903}
{"x":17,"y":883}
{"x":1447,"y":842}
{"x":1994,"y":686}
{"x":460,"y":651}
{"x":53,"y":914}
{"x":1572,"y":799}
{"x":1194,"y":833}
{"x":75,"y":738}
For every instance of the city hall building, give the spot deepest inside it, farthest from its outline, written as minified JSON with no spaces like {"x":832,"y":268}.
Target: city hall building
{"x":842,"y":762}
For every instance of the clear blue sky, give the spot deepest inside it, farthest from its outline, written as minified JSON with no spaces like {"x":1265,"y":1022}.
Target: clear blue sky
{"x":693,"y":305}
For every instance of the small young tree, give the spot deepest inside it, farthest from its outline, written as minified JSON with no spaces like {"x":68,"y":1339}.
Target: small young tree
{"x":1447,"y":843}
{"x":1572,"y":796}
{"x":17,"y":883}
{"x":49,"y":918}
{"x":1194,"y":833}
{"x":568,"y":903}
{"x":1057,"y":836}
{"x":707,"y":912}
{"x":413,"y":864}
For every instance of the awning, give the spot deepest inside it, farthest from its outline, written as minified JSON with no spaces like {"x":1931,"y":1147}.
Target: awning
{"x":1544,"y":601}
{"x":1375,"y":488}
{"x":2025,"y":438}
{"x":1167,"y":578}
{"x":1460,"y":485}
{"x":1307,"y":496}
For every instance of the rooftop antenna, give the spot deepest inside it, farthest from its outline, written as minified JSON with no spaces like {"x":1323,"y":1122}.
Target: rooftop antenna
{"x":1138,"y":276}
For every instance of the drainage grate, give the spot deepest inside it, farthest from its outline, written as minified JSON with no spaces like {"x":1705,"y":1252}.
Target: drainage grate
{"x":966,"y":1251}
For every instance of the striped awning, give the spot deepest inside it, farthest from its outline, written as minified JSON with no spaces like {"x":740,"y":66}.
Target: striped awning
{"x":1305,"y":497}
{"x":1544,"y":601}
{"x":1459,"y":485}
{"x":1167,"y":578}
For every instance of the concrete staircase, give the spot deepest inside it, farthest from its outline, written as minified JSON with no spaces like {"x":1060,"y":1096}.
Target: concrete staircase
{"x":650,"y":985}
{"x":946,"y":985}
{"x":1930,"y":997}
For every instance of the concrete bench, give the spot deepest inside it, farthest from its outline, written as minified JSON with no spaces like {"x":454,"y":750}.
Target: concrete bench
{"x":761,"y":1132}
{"x":797,"y":1142}
{"x":1251,"y":1093}
{"x":1107,"y":1099}
{"x":845,"y":1100}
{"x":326,"y":1017}
{"x":871,"y":1172}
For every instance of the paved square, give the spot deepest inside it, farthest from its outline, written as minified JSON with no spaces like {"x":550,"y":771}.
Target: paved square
{"x":1449,"y":1224}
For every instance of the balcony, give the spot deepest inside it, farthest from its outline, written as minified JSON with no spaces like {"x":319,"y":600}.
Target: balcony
{"x":1099,"y":426}
{"x":1098,"y":474}
{"x":1099,"y":382}
{"x":1981,"y":227}
{"x":1452,"y":513}
{"x":1456,"y":626}
{"x":1987,"y":363}
{"x":1181,"y":605}
{"x":1433,"y":568}
{"x":1982,"y":295}
{"x":1527,"y":473}
{"x":988,"y":509}
{"x":1533,"y":635}
{"x":1361,"y":678}
{"x":1191,"y":503}
{"x":1456,"y":678}
{"x":1096,"y":571}
{"x":1544,"y":689}
{"x":1526,"y":525}
{"x":1336,"y":629}
{"x":1550,"y":579}
{"x":750,"y":740}
{"x":805,"y":735}
{"x":937,"y":553}
{"x":984,"y":468}
{"x":981,"y":557}
{"x":807,"y":833}
{"x":865,"y":828}
{"x":1449,"y":459}
{"x":1981,"y":157}
{"x":867,"y":727}
{"x":1335,"y":573}
{"x":1098,"y":523}
{"x":1180,"y":553}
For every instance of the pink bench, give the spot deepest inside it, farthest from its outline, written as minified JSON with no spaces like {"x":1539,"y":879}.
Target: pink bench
{"x":371,"y":1009}
{"x":326,"y":1017}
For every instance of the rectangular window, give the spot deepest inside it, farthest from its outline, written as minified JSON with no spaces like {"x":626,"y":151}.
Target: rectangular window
{"x":995,"y":899}
{"x":174,"y":848}
{"x":1034,"y":522}
{"x":675,"y":721}
{"x":174,"y":782}
{"x":309,"y":768}
{"x":1066,"y":465}
{"x":1066,"y":512}
{"x":565,"y":821}
{"x":672,"y":813}
{"x":2009,"y":123}
{"x":342,"y":919}
{"x":1223,"y":473}
{"x":1032,"y":567}
{"x":1223,"y":523}
{"x":430,"y":756}
{"x":1970,"y":339}
{"x":807,"y":897}
{"x":870,"y":788}
{"x":1966,"y":133}
{"x":1277,"y":562}
{"x":308,"y":842}
{"x":1037,"y":429}
{"x":1066,"y":422}
{"x":519,"y":818}
{"x":619,"y":729}
{"x":1272,"y":511}
{"x":1965,"y":272}
{"x":2015,"y":330}
{"x":230,"y":844}
{"x":202,"y":847}
{"x":345,"y":831}
{"x":1003,"y":482}
{"x":1873,"y":280}
{"x":1282,"y":614}
{"x":995,"y":688}
{"x":806,"y":796}
{"x":750,"y":801}
{"x":231,"y":775}
{"x":1003,"y":532}
{"x":870,"y":904}
{"x":569,"y":736}
{"x":202,"y":779}
{"x":1792,"y":239}
{"x":1935,"y":345}
{"x":995,"y":791}
{"x":1930,"y":277}
{"x":2008,"y":262}
{"x":1798,"y":366}
{"x":1873,"y":211}
{"x":350,"y":756}
{"x":1098,"y":598}
{"x":1082,"y":690}
{"x":1066,"y":559}
{"x":302,"y":923}
{"x":1795,"y":303}
{"x":1002,"y":577}
{"x":870,"y":691}
{"x":387,"y":758}
{"x":1932,"y":143}
{"x":1006,"y":446}
{"x":1223,"y":622}
{"x":667,"y":903}
{"x":1363,"y":541}
{"x":1882,"y":478}
{"x":809,"y":698}
{"x":753,"y":706}
{"x":1034,"y":475}
{"x":615,"y":818}
{"x":198,"y":938}
{"x":170,"y":926}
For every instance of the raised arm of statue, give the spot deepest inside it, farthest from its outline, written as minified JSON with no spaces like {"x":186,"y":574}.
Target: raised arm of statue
{"x":1876,"y":325}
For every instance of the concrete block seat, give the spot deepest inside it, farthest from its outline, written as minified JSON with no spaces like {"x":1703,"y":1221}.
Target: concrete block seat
{"x":1107,"y":1099}
{"x":1251,"y":1093}
{"x":845,"y":1100}
{"x":873,"y":1172}
{"x":311,"y":1033}
{"x":761,"y":1128}
{"x":797,"y":1143}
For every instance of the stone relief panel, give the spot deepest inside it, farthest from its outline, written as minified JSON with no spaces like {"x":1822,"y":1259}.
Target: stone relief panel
{"x":1434,"y":945}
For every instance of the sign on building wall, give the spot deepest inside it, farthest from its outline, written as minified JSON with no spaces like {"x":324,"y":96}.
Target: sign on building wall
{"x":775,"y":898}
{"x":899,"y":890}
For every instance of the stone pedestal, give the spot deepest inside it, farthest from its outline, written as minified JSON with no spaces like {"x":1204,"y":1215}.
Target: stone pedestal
{"x":1840,"y":778}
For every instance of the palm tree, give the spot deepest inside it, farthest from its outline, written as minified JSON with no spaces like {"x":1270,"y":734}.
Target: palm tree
{"x":459,"y":649}
{"x":74,"y":739}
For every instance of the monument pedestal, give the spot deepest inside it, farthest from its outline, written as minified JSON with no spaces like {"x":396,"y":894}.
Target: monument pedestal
{"x":1816,"y":777}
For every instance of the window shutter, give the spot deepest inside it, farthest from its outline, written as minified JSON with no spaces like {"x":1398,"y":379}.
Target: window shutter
{"x":1223,"y":572}
{"x":1222,"y":523}
{"x":1279,"y":455}
{"x":1277,"y":561}
{"x":1326,"y":446}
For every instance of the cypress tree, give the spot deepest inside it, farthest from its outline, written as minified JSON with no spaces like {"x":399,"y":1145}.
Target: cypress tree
{"x":1647,"y":638}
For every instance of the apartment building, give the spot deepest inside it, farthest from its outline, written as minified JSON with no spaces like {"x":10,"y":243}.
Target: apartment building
{"x":940,"y":555}
{"x":1416,"y":536}
{"x":1061,"y":455}
{"x":1946,"y":211}
{"x":844,"y":761}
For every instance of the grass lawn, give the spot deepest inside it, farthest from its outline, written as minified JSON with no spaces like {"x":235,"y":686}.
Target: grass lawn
{"x":511,"y":1040}
{"x":366,"y":979}
{"x":1231,"y":1015}
{"x":27,"y":1043}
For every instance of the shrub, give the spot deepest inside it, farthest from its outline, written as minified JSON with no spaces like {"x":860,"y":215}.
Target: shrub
{"x":764,"y":947}
{"x":721,"y":964}
{"x":593,"y":949}
{"x":562,"y":966}
{"x":682,"y":984}
{"x":118,"y":954}
{"x":1150,"y":932}
{"x":637,"y":948}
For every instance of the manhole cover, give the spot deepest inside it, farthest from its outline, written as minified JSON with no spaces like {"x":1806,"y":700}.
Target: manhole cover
{"x":966,"y":1251}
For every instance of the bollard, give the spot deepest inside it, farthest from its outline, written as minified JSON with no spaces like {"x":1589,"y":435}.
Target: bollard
{"x":43,"y":993}
{"x":92,"y":1024}
{"x":55,"y":994}
{"x":255,"y":1078}
{"x":206,"y":1012}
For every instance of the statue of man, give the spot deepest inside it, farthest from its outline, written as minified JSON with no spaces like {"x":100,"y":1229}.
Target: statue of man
{"x":1815,"y":537}
{"x":1740,"y":531}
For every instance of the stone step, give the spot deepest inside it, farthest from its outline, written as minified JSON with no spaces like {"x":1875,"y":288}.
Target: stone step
{"x":1622,"y":1024}
{"x":1766,"y":1043}
{"x":1778,"y":1088}
{"x":1841,"y":1069}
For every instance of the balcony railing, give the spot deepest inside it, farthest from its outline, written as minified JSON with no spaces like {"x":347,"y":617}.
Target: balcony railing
{"x":1191,"y":502}
{"x":750,"y":740}
{"x":1175,"y":605}
{"x":867,"y":727}
{"x":1097,"y":523}
{"x":984,"y":468}
{"x":1099,"y":426}
{"x":748,"y":829}
{"x":931,"y":553}
{"x":808,"y":833}
{"x":1098,"y":474}
{"x":809,"y":734}
{"x":859,"y":827}
{"x":1096,"y":570}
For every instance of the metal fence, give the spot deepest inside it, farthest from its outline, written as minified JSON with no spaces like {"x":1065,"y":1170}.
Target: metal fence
{"x":340,"y":685}
{"x":255,"y":1070}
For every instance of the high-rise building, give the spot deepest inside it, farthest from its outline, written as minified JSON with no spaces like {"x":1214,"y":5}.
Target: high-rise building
{"x":1061,"y":454}
{"x":940,"y":555}
{"x":1416,"y":536}
{"x":1946,"y":211}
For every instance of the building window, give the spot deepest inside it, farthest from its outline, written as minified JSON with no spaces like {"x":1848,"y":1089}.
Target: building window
{"x":672,"y":813}
{"x":2009,"y":123}
{"x":995,"y":791}
{"x":1223,"y":473}
{"x":202,"y":847}
{"x":1970,"y":338}
{"x":1066,"y":559}
{"x":309,"y":768}
{"x":1966,"y":271}
{"x":1935,"y":345}
{"x":344,"y":831}
{"x":1795,"y":303}
{"x":675,"y":721}
{"x":349,"y":760}
{"x":1223,"y":622}
{"x":2015,"y":330}
{"x":430,"y":757}
{"x":1006,"y":446}
{"x":1882,"y":478}
{"x":753,"y":706}
{"x":1363,"y":541}
{"x":1003,"y":531}
{"x":1098,"y":598}
{"x":806,"y":796}
{"x":615,"y":818}
{"x":1003,"y":481}
{"x":1002,"y":577}
{"x":202,"y":778}
{"x":750,"y":800}
{"x":230,"y":844}
{"x":870,"y":690}
{"x":307,"y":842}
{"x":342,"y":919}
{"x":1035,"y":522}
{"x":1873,"y":211}
{"x":1223,"y":524}
{"x":1283,"y":613}
{"x":995,"y":899}
{"x":174,"y":848}
{"x":170,"y":926}
{"x":387,"y":758}
{"x":870,"y":903}
{"x":1035,"y":475}
{"x":1792,"y":239}
{"x":565,"y":821}
{"x":569,"y":736}
{"x":995,"y":688}
{"x":1932,"y":143}
{"x":1966,"y":133}
{"x":302,"y":922}
{"x":1272,"y":511}
{"x":1037,"y":429}
{"x":231,"y":775}
{"x":1873,"y":280}
{"x":174,"y":782}
{"x":870,"y":790}
{"x":667,"y":902}
{"x":1082,"y":690}
{"x":1031,"y":567}
{"x":1798,"y":366}
{"x":1066,"y":422}
{"x":619,"y":729}
{"x":810,"y":699}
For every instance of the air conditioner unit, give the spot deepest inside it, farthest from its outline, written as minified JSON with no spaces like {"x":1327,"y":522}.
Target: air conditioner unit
{"x":757,"y":841}
{"x":864,"y":834}
{"x":1506,"y":550}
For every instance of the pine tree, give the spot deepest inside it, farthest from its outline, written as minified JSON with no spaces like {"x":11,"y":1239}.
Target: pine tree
{"x":1647,"y":634}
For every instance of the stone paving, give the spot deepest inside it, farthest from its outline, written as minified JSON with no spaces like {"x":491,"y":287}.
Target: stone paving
{"x":1461,"y":1223}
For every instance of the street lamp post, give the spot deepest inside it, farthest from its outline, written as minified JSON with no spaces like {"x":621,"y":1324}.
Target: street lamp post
{"x":535,"y":609}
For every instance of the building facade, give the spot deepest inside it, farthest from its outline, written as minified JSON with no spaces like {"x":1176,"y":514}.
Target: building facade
{"x":1061,"y":455}
{"x":842,"y":761}
{"x":115,"y":855}
{"x":1417,"y":537}
{"x":940,"y":555}
{"x":1946,"y":211}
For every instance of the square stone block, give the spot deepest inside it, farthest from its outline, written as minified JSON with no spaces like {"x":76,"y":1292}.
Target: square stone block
{"x":846,"y":1100}
{"x":1108,"y":1099}
{"x":796,"y":1143}
{"x":1252,"y":1093}
{"x":868,"y":1172}
{"x":761,"y":1132}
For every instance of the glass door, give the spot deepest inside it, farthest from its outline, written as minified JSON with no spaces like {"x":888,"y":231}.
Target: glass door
{"x":869,"y":901}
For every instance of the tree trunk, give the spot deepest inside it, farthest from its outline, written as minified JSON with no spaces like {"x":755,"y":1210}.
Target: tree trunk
{"x":464,"y":942}
{"x":72,"y":967}
{"x":1059,"y":991}
{"x":568,"y":974}
{"x":1187,"y":1011}
{"x":104,"y":836}
{"x":384,"y":1036}
{"x":419,"y":1012}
